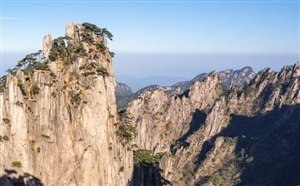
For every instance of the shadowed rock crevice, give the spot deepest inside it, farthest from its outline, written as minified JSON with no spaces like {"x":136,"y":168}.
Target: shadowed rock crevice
{"x":12,"y":178}
{"x":206,"y":147}
{"x":148,"y":175}
{"x":198,"y":120}
{"x":184,"y":94}
{"x":269,"y":145}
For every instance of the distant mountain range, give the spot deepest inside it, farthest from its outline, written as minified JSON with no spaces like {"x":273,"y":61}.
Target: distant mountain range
{"x":229,"y":78}
{"x":123,"y":93}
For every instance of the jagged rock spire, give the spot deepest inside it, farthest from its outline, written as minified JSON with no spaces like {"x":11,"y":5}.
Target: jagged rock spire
{"x":73,"y":31}
{"x":47,"y":45}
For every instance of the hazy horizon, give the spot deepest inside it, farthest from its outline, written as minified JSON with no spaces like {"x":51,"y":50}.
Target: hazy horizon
{"x":141,"y":70}
{"x":166,"y":41}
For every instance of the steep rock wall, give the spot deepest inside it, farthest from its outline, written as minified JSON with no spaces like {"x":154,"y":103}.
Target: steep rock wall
{"x":64,"y":133}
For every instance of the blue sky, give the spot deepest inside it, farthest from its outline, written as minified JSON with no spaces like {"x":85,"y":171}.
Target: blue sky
{"x":185,"y":33}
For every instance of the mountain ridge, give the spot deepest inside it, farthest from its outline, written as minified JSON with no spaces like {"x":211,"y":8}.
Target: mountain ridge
{"x":229,"y":78}
{"x":208,"y":117}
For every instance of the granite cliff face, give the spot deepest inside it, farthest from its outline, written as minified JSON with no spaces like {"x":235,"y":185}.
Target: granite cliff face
{"x":57,"y":122}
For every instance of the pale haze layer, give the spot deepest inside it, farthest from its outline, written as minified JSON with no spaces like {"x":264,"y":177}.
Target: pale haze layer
{"x":164,"y":42}
{"x":141,"y":70}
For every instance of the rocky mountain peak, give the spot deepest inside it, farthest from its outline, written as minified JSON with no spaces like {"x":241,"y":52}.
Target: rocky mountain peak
{"x":74,"y":31}
{"x":247,"y":69}
{"x":60,"y":114}
{"x":47,"y":45}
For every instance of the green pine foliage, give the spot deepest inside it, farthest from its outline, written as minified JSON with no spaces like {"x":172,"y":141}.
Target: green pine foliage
{"x":145,"y":156}
{"x":35,"y":89}
{"x":16,"y":164}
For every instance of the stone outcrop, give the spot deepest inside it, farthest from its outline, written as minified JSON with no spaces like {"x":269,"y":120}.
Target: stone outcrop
{"x":74,"y":31}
